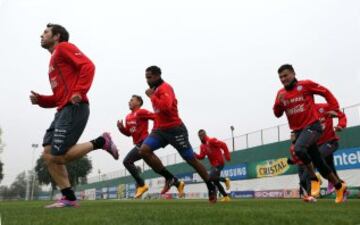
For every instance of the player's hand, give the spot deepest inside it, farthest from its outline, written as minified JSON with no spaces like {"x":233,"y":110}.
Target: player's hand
{"x":34,"y":98}
{"x":149,"y":92}
{"x":338,"y":128}
{"x":76,"y":98}
{"x":331,"y":113}
{"x":120,"y":125}
{"x":281,"y":97}
{"x":290,"y":162}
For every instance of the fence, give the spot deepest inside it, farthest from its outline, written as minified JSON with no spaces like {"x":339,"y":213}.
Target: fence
{"x":237,"y":143}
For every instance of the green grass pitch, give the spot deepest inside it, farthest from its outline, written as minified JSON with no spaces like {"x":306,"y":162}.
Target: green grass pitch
{"x":187,"y":212}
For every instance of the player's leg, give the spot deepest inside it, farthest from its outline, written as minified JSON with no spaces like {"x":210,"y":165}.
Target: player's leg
{"x":226,"y":181}
{"x":129,"y":163}
{"x":71,"y":124}
{"x":305,"y":182}
{"x":327,"y":173}
{"x":57,"y":171}
{"x":215,"y":177}
{"x":327,"y":151}
{"x":304,"y":141}
{"x":178,"y":138}
{"x":153,"y":142}
{"x":66,"y":129}
{"x":59,"y":174}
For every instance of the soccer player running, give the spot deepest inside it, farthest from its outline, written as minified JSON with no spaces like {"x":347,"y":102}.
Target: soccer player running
{"x":169,"y":129}
{"x":215,"y":150}
{"x":296,"y":99}
{"x":136,"y":126}
{"x":71,"y":74}
{"x":328,"y":142}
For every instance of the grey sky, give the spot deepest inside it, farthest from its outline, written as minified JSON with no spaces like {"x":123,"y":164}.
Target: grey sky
{"x":220,"y":56}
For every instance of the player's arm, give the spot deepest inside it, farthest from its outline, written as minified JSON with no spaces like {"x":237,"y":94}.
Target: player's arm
{"x":83,"y":64}
{"x":290,"y":161}
{"x":163,"y":101}
{"x":202,"y":153}
{"x":278,"y":107}
{"x":123,"y":129}
{"x":316,"y":88}
{"x":145,"y":115}
{"x":342,"y":120}
{"x":222,"y":145}
{"x":45,"y":101}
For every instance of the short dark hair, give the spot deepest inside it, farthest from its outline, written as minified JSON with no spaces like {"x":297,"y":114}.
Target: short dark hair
{"x":154,"y":70}
{"x":58,"y":29}
{"x":139,"y":98}
{"x":286,"y":67}
{"x":201,"y":130}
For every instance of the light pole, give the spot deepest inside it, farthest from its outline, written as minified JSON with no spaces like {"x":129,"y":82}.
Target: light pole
{"x":99,"y":172}
{"x":232,"y":128}
{"x":34,"y":146}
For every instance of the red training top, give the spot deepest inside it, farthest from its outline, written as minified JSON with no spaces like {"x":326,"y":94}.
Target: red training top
{"x":70,"y":72}
{"x":327,"y":123}
{"x":137,"y":124}
{"x":212,"y":149}
{"x":298,"y":103}
{"x":164,"y":103}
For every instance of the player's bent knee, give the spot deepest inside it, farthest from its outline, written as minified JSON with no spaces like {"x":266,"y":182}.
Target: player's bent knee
{"x":127,"y":162}
{"x":46,"y":157}
{"x":188,"y":154}
{"x":145,"y":151}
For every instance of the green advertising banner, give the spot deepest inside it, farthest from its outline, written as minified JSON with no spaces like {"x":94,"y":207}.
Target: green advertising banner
{"x":270,"y":168}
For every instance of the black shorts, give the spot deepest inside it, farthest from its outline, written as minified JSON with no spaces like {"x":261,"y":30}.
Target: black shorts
{"x":66,"y":128}
{"x":177,"y":137}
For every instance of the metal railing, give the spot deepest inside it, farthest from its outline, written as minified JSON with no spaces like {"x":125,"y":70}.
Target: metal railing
{"x":241,"y":142}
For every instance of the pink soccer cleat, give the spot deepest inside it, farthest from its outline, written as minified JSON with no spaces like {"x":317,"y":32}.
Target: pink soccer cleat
{"x":110,"y":146}
{"x":330,"y":188}
{"x":63,"y":203}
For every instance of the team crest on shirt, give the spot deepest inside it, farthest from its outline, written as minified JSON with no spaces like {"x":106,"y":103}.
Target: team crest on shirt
{"x":321,"y":110}
{"x":299,"y":88}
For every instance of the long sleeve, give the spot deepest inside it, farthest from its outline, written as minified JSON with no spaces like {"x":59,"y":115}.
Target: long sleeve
{"x":222,"y":145}
{"x":202,"y":153}
{"x":83,"y":64}
{"x":278,"y":108}
{"x":145,"y":115}
{"x":125,"y":131}
{"x":315,"y":88}
{"x":47,"y":101}
{"x":162,"y":101}
{"x":225,"y":150}
{"x":342,"y":119}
